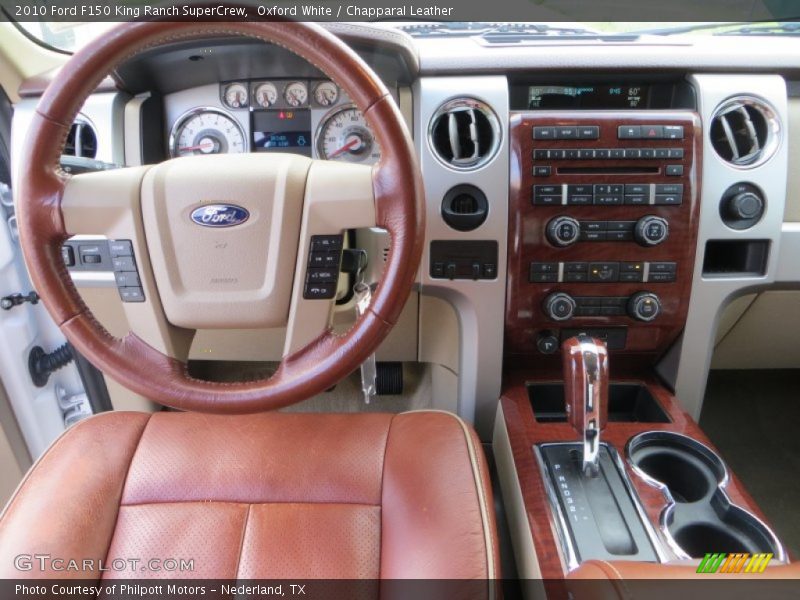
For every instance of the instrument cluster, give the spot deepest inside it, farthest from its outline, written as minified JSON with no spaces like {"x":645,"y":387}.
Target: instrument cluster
{"x":314,"y":118}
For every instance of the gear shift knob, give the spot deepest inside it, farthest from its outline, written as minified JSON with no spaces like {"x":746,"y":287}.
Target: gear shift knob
{"x":586,"y":393}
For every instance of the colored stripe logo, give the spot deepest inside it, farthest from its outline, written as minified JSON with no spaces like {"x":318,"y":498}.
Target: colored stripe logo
{"x":738,"y":562}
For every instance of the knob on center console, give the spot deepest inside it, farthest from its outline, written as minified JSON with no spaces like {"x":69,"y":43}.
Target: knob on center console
{"x":644,"y":306}
{"x":563,"y":231}
{"x":559,"y":306}
{"x":651,"y":230}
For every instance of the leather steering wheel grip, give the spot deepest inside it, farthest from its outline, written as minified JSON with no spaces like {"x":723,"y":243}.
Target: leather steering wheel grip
{"x":133,"y":363}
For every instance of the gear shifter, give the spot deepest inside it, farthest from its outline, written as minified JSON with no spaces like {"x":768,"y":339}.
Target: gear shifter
{"x":586,"y":393}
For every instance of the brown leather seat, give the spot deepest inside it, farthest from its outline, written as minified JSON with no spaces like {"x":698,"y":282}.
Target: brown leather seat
{"x":272,"y":495}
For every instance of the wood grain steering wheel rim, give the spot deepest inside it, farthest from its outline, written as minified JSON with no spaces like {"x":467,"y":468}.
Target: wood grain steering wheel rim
{"x":397,"y":193}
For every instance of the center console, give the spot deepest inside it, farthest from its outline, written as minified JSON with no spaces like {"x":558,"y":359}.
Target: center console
{"x":603,"y":224}
{"x":604,"y":210}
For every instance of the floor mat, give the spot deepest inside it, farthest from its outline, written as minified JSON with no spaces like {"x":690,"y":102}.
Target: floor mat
{"x":752,"y":417}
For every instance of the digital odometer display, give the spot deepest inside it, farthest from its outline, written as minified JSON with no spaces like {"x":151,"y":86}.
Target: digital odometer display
{"x":282,"y":131}
{"x":541,"y":97}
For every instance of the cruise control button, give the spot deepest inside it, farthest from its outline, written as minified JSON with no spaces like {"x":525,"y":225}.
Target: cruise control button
{"x":123,"y":263}
{"x":319,"y":291}
{"x":127,"y":279}
{"x":131,"y":294}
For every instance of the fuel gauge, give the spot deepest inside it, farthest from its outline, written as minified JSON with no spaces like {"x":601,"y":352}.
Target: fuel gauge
{"x":235,"y":95}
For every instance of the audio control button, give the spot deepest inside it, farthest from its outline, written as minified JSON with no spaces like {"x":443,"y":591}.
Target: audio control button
{"x":644,"y":306}
{"x":563,"y":231}
{"x":559,"y":306}
{"x":651,"y":230}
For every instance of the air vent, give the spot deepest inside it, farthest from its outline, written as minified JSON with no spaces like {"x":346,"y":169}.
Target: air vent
{"x":464,"y":134}
{"x":81,"y":140}
{"x":744,"y":131}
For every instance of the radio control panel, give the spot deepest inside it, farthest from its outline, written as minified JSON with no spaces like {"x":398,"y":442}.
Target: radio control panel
{"x":602,"y":226}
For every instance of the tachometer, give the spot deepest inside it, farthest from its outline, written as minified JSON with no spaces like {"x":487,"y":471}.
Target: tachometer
{"x":344,"y":135}
{"x":206,"y":131}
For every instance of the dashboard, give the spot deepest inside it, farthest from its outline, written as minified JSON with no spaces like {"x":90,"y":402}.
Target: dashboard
{"x":635,"y":190}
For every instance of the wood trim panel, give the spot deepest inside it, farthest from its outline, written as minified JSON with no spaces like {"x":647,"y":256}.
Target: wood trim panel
{"x":525,"y":319}
{"x":524,"y":431}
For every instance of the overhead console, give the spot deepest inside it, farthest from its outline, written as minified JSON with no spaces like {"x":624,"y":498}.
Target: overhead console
{"x":603,"y":214}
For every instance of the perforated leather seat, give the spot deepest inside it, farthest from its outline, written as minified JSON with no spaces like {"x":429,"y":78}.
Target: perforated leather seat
{"x":273,"y":495}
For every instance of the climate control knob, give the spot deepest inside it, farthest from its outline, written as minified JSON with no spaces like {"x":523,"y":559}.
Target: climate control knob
{"x":559,"y":306}
{"x":644,"y":306}
{"x":563,"y":231}
{"x":651,"y":230}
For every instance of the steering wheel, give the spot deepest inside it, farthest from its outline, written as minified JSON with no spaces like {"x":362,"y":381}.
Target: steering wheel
{"x":250,"y":275}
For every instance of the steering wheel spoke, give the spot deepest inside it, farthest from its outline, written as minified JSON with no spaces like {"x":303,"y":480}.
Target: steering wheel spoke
{"x":338,"y":196}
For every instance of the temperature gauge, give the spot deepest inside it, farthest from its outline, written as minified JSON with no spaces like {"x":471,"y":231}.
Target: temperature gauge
{"x":235,"y":95}
{"x":326,"y":93}
{"x":295,"y":93}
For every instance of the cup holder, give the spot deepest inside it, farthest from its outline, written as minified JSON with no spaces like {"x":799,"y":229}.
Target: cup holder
{"x":689,"y":470}
{"x":699,"y":518}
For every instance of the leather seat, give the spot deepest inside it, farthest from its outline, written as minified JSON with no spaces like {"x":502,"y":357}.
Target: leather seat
{"x":271,"y":495}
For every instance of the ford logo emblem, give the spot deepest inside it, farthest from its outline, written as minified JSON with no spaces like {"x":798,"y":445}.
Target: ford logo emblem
{"x":220,"y":215}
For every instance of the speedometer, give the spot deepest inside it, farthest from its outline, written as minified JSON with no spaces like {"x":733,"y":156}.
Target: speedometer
{"x":206,"y":131}
{"x":344,"y":135}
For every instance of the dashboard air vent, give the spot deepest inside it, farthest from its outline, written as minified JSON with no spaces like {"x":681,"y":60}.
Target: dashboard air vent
{"x":464,"y":134}
{"x":81,"y":140}
{"x":744,"y":131}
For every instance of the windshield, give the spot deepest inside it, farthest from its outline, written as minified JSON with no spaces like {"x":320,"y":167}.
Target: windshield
{"x":69,"y":37}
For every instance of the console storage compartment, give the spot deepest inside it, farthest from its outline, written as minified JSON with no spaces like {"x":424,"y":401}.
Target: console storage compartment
{"x":627,"y":403}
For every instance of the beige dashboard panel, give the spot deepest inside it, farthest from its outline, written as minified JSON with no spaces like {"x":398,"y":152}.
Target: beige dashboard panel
{"x":759,"y":340}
